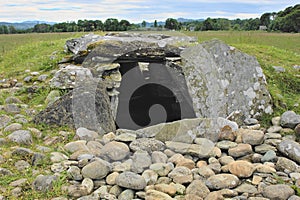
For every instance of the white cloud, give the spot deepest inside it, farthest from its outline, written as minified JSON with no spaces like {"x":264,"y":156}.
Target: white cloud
{"x":135,"y":10}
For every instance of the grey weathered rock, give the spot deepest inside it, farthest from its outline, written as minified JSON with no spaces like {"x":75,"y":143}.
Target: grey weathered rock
{"x":42,"y":78}
{"x":222,"y":181}
{"x":5,"y":172}
{"x":246,"y":188}
{"x":147,"y":144}
{"x":253,"y":137}
{"x":141,"y":161}
{"x":13,"y":127}
{"x":279,"y":69}
{"x":198,"y":188}
{"x":115,"y":151}
{"x":227,"y":77}
{"x":225,"y":144}
{"x":158,"y":157}
{"x":74,"y":173}
{"x":153,"y":195}
{"x":131,"y":180}
{"x":289,"y":119}
{"x":187,"y":130}
{"x":240,"y":150}
{"x":21,"y":137}
{"x":85,"y":134}
{"x":181,"y":175}
{"x":58,"y":157}
{"x":86,"y":106}
{"x":13,"y":100}
{"x":44,"y":183}
{"x":126,"y":194}
{"x":280,"y":192}
{"x":202,"y":151}
{"x":12,"y":108}
{"x":95,"y":170}
{"x":4,"y":120}
{"x":150,"y":176}
{"x":66,"y":77}
{"x":286,"y":164}
{"x":76,"y":191}
{"x":270,"y":156}
{"x":162,"y":169}
{"x":263,"y":148}
{"x":290,"y":149}
{"x":79,"y":145}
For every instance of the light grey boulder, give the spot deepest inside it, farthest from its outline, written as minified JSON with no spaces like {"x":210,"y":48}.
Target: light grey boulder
{"x":289,"y":119}
{"x":222,"y":80}
{"x":21,"y":137}
{"x":187,"y":130}
{"x":291,"y":149}
{"x":131,"y":180}
{"x":66,"y":77}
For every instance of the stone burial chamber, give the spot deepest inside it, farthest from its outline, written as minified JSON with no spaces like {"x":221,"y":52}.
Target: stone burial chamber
{"x":133,"y":81}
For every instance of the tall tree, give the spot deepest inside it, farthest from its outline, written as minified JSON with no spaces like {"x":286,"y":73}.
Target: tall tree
{"x":144,"y":24}
{"x":172,"y":24}
{"x":124,"y":25}
{"x":155,"y":23}
{"x":111,"y":24}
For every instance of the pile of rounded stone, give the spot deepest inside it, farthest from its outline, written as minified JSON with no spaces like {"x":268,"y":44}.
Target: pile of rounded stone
{"x":250,"y":164}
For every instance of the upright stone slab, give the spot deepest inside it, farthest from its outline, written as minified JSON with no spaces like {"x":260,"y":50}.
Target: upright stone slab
{"x":86,"y":106}
{"x":223,"y":81}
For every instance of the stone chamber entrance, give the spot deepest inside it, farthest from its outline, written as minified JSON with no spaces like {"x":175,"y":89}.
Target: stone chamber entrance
{"x":150,"y":93}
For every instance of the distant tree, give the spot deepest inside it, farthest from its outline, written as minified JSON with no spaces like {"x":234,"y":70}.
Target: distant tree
{"x":12,"y":30}
{"x":124,"y":25}
{"x":41,"y":28}
{"x":98,"y":25}
{"x":172,"y":24}
{"x":155,"y":23}
{"x":207,"y":25}
{"x":144,"y":24}
{"x":111,"y":24}
{"x":265,"y":19}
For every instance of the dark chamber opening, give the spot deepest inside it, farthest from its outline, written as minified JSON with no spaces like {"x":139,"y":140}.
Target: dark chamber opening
{"x":149,"y":95}
{"x":156,"y":95}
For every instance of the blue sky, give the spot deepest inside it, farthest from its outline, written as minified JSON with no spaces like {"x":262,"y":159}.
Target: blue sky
{"x":136,"y":10}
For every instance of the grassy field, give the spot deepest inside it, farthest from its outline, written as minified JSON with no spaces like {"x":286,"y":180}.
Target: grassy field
{"x":41,"y":52}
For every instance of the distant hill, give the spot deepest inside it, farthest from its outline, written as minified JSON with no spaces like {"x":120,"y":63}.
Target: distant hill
{"x":25,"y":25}
{"x":183,"y":20}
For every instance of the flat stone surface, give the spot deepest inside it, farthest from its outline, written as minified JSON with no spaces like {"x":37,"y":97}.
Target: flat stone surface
{"x":240,"y":150}
{"x":242,"y":169}
{"x":280,"y":192}
{"x":198,"y":188}
{"x":95,"y":170}
{"x":131,"y":180}
{"x":202,"y":151}
{"x":291,"y":149}
{"x":114,"y":151}
{"x":21,"y":137}
{"x":289,"y":119}
{"x":222,"y":181}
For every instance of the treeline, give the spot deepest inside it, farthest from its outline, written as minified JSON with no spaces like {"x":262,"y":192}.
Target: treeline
{"x":284,"y":21}
{"x":287,"y":20}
